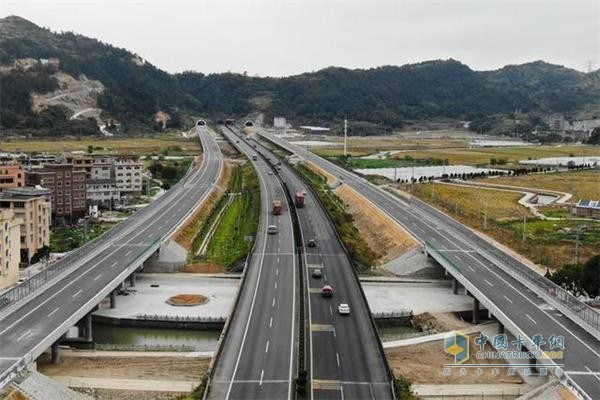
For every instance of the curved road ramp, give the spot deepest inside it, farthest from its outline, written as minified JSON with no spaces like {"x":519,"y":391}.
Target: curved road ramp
{"x":525,"y":303}
{"x":35,"y":315}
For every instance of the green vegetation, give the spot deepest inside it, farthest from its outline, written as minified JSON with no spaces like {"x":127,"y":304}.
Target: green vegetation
{"x":335,"y":207}
{"x":402,"y":389}
{"x":228,"y":244}
{"x":67,"y":239}
{"x":580,"y":277}
{"x":428,"y":90}
{"x":169,"y":172}
{"x":407,"y":161}
{"x":547,"y":242}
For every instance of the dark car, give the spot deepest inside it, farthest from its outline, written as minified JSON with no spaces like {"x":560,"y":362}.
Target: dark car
{"x":317,"y":274}
{"x":312,"y":243}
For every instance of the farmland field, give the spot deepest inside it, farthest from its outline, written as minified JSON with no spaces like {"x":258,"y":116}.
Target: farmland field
{"x":550,"y":243}
{"x":140,"y":146}
{"x":477,"y":156}
{"x":583,"y":184}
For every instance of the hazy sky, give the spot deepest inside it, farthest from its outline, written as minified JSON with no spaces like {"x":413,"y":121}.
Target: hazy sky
{"x":279,"y":38}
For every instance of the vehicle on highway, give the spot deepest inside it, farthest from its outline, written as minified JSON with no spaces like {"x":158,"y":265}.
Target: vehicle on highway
{"x":272,"y":229}
{"x":269,"y":172}
{"x":344,"y":309}
{"x":299,"y":199}
{"x":312,"y":243}
{"x":277,"y":207}
{"x":327,"y":291}
{"x":317,"y":274}
{"x":254,"y":156}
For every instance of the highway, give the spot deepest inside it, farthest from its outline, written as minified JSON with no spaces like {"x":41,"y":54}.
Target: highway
{"x":101,"y":266}
{"x":258,"y":357}
{"x":519,"y":304}
{"x":346,"y":361}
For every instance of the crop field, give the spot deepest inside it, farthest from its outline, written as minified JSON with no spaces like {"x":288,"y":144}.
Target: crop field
{"x":550,"y":243}
{"x":139,"y":146}
{"x":512,"y":155}
{"x":582,"y":184}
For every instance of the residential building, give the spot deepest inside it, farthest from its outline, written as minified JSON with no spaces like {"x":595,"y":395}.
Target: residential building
{"x":32,"y":207}
{"x":9,"y":248}
{"x":67,"y":186}
{"x":588,"y":209}
{"x":128,"y":173}
{"x":11,"y":174}
{"x":102,"y":191}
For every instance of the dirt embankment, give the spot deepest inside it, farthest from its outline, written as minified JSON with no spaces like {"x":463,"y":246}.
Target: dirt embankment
{"x":423,"y":364}
{"x":379,"y":231}
{"x":186,"y":234}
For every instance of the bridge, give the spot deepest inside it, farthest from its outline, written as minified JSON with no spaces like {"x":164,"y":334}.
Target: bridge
{"x":35,"y":316}
{"x":524,"y":303}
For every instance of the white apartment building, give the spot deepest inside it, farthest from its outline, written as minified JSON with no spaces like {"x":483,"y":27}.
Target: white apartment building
{"x":128,"y":172}
{"x":10,"y":248}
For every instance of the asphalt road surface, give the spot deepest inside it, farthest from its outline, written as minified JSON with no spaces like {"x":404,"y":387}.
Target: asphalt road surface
{"x":101,"y":266}
{"x":530,"y":313}
{"x":258,"y":356}
{"x":345,"y":360}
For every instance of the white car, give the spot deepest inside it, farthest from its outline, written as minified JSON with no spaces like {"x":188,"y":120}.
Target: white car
{"x":344,"y":309}
{"x":272,"y":229}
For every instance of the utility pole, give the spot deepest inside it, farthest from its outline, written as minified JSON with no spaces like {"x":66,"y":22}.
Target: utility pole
{"x":524,"y":224}
{"x":345,"y":135}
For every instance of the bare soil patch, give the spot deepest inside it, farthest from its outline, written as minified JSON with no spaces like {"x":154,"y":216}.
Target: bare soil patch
{"x":187,"y":300}
{"x":203,"y":268}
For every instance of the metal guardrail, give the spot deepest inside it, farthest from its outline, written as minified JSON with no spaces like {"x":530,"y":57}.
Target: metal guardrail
{"x":178,"y":318}
{"x":68,"y":263}
{"x":576,"y":310}
{"x":393,"y":314}
{"x":497,"y":312}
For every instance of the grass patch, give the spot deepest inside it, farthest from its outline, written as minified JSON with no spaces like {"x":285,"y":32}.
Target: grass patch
{"x":550,"y":243}
{"x":583,"y":184}
{"x":169,"y":172}
{"x":361,"y":163}
{"x":139,"y":146}
{"x":344,"y":222}
{"x":483,"y":156}
{"x":67,"y":239}
{"x":239,"y":221}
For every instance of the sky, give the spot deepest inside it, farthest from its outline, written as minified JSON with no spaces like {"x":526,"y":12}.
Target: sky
{"x":282,"y":38}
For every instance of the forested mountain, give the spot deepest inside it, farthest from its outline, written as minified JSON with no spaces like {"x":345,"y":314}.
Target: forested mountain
{"x":135,"y":91}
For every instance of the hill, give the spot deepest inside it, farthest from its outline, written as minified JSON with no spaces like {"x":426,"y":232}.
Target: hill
{"x":134,"y":90}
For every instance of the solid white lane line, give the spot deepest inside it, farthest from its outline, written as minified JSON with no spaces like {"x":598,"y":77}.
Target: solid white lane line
{"x":532,"y":320}
{"x":488,"y":282}
{"x":78,"y":293}
{"x":97,"y":277}
{"x":594,"y":373}
{"x":507,"y":299}
{"x":23,"y":335}
{"x":267,"y":347}
{"x":271,"y":322}
{"x":54,"y":311}
{"x":262,"y":374}
{"x":337,"y":357}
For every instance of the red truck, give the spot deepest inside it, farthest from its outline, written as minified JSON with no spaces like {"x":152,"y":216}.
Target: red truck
{"x":299,"y":199}
{"x":277,"y":207}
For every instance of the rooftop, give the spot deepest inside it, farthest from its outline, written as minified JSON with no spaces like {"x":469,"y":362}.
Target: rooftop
{"x":584,"y":203}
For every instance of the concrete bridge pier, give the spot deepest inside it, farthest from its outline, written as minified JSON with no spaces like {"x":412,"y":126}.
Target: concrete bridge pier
{"x":55,"y":356}
{"x":113,"y":299}
{"x":132,"y":279}
{"x":475,"y":311}
{"x":455,"y":285}
{"x":88,"y":327}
